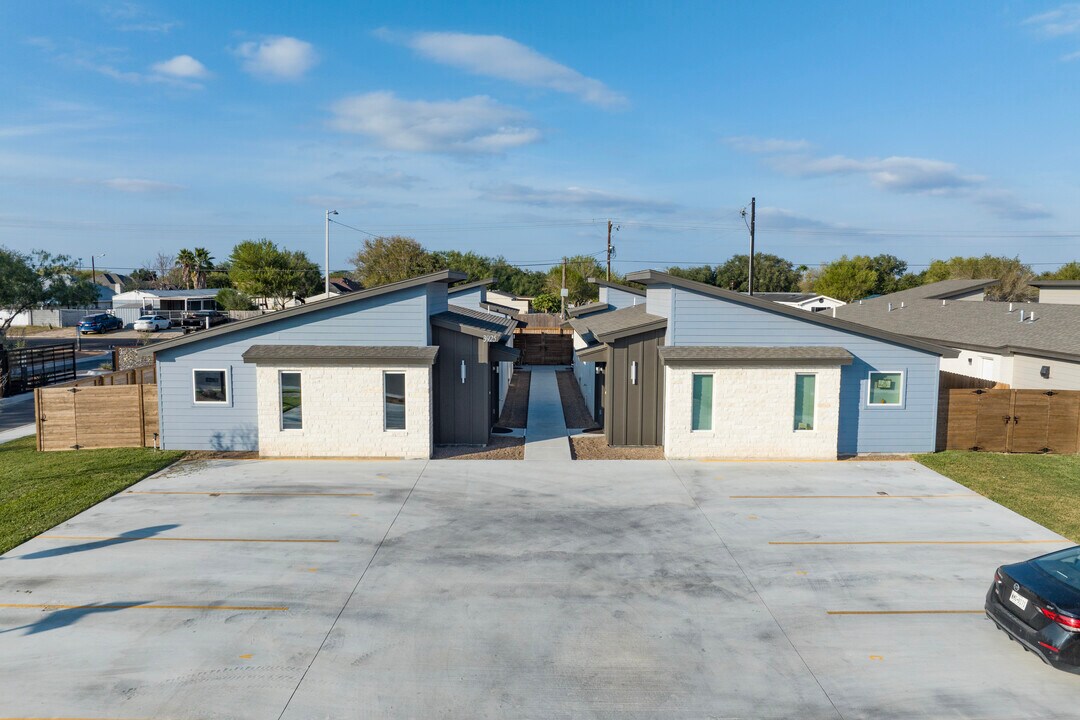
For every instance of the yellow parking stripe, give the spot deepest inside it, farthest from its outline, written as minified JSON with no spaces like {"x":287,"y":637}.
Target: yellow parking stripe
{"x":847,"y":497}
{"x":135,"y":606}
{"x":178,"y":539}
{"x":217,"y":492}
{"x":905,"y":612}
{"x":914,"y":542}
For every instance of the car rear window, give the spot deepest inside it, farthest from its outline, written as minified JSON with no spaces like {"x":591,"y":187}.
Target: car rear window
{"x":148,"y":317}
{"x":1063,"y":565}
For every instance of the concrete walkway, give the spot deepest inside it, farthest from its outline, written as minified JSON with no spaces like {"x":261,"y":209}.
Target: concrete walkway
{"x":17,"y":417}
{"x":545,"y":434}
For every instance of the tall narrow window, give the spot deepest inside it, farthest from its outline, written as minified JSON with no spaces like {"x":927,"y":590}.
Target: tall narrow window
{"x":805,"y":396}
{"x":701,"y":413}
{"x":394,"y":400}
{"x":292,"y":411}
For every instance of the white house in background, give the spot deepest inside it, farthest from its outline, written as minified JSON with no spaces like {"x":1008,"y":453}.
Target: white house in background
{"x":814,"y":302}
{"x":1023,"y":345}
{"x":175,"y":300}
{"x":1058,"y":292}
{"x":519,"y":304}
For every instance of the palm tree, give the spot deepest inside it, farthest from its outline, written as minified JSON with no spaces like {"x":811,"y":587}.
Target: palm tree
{"x":204,"y":263}
{"x":187,"y":262}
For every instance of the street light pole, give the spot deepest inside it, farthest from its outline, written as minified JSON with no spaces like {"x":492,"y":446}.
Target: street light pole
{"x":328,"y":214}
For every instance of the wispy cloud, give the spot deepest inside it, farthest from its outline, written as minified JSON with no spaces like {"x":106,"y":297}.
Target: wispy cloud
{"x":138,"y":185}
{"x":576,"y":197}
{"x":1004,"y":204}
{"x":184,"y":67}
{"x":343,"y":202}
{"x":367,"y":178}
{"x":774,"y":218}
{"x":759,"y":145}
{"x":500,"y":57}
{"x":1063,"y":20}
{"x":470,"y":125}
{"x":278,"y":58}
{"x":133,"y":17}
{"x":1069,"y":57}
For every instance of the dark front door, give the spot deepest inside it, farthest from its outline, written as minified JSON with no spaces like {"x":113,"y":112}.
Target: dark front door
{"x":598,"y":393}
{"x":493,"y":393}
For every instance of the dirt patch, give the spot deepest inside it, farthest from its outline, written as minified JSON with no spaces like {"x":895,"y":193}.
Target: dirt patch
{"x":194,"y":455}
{"x":595,"y":447}
{"x":575,"y":411}
{"x":515,"y":412}
{"x":498,"y":448}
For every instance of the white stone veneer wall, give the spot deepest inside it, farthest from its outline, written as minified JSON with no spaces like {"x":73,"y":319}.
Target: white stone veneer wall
{"x":753,"y":413}
{"x":343,"y":412}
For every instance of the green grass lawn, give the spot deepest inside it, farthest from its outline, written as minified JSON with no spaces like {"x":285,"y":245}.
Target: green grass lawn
{"x":41,"y":489}
{"x":1045,"y":488}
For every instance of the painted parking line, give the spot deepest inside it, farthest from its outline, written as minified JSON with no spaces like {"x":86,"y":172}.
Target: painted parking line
{"x":137,"y":606}
{"x":905,"y":612}
{"x":124,"y":538}
{"x":915,"y":542}
{"x":849,"y":497}
{"x":215,"y":493}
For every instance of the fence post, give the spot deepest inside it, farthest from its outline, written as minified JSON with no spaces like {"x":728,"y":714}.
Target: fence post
{"x":37,"y":418}
{"x":142,"y":416}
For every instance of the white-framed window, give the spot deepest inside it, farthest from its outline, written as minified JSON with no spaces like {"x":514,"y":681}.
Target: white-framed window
{"x":393,"y":401}
{"x":885,"y":388}
{"x":210,"y":387}
{"x":701,"y":402}
{"x":805,"y":401}
{"x":291,"y":400}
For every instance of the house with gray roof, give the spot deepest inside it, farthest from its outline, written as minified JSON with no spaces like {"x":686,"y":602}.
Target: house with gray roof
{"x":813,"y":302}
{"x":1023,"y":345}
{"x":167,"y":300}
{"x":708,"y":372}
{"x":385,"y":371}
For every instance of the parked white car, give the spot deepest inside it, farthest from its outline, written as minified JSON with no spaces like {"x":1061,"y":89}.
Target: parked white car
{"x":152,"y":323}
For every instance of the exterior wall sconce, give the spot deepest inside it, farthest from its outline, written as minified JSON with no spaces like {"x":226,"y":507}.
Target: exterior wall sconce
{"x":1045,"y":371}
{"x":462,"y":372}
{"x":633,"y":372}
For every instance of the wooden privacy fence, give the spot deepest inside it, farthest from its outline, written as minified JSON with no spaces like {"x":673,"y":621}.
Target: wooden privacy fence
{"x":1017,"y":421}
{"x":544,"y":346}
{"x":118,"y":409}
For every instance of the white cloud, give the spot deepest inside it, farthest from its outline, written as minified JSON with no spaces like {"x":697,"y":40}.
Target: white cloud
{"x":773,"y":218}
{"x":576,"y":197}
{"x":471,"y":125}
{"x":139,"y":185}
{"x":500,"y":57}
{"x":1069,"y":57}
{"x":757,"y":145}
{"x":1064,"y":20}
{"x":1006,"y":205}
{"x":898,"y":174}
{"x":278,"y":58}
{"x":182,"y":66}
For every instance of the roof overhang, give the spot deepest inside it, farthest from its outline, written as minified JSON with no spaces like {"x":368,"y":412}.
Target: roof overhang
{"x":341,"y":354}
{"x":593,"y":353}
{"x":587,"y":309}
{"x":498,"y":352}
{"x":764,"y":355}
{"x":630,"y":331}
{"x":654,"y":277}
{"x":616,"y":286}
{"x":471,"y":286}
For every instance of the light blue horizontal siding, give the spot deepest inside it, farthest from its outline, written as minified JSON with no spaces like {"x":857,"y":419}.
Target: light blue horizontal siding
{"x":467,"y":298}
{"x":658,"y":302}
{"x":699,"y":319}
{"x":399,"y":318}
{"x":619,"y":299}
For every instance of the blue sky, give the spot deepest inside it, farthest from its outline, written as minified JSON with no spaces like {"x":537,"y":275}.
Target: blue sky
{"x":923,"y":129}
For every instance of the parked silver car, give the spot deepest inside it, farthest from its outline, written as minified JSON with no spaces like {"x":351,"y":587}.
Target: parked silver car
{"x":152,"y":323}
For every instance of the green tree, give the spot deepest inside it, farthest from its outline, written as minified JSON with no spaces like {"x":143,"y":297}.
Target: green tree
{"x":1012,"y":275}
{"x":892,"y":275}
{"x":546,"y":302}
{"x":260,"y":269}
{"x":476,"y":267}
{"x":185,"y":263}
{"x":232,"y":299}
{"x":847,"y":279}
{"x":702,"y":274}
{"x":391,"y":259}
{"x":578,"y":271}
{"x":204,"y":262}
{"x":771,"y":274}
{"x":1068,"y":271}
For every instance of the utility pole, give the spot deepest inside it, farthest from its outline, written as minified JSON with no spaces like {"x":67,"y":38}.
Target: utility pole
{"x":753,"y":217}
{"x":609,"y":251}
{"x":563,"y":292}
{"x":327,"y":288}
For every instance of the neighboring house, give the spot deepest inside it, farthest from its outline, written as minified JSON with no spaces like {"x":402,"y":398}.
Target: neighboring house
{"x":1058,"y":292}
{"x":474,"y":296}
{"x":167,"y":300}
{"x":339,"y":285}
{"x":387,"y":371}
{"x":114,"y":281}
{"x":517,"y":303}
{"x":707,"y":372}
{"x":1042,"y":351}
{"x":814,"y":302}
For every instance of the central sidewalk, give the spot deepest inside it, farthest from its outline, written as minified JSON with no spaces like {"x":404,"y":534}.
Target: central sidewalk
{"x":545,"y":434}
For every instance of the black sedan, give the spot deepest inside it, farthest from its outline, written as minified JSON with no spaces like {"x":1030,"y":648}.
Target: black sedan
{"x":100,"y":323}
{"x":1037,"y":602}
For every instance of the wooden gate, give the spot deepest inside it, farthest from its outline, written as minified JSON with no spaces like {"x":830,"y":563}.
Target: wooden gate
{"x":1019,"y":421}
{"x":75,"y":418}
{"x":545,"y":346}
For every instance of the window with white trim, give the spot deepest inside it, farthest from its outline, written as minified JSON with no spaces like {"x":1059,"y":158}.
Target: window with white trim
{"x":885,"y":389}
{"x":210,"y":386}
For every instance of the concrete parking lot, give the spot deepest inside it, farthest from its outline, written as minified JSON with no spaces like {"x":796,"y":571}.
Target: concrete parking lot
{"x":267,"y":589}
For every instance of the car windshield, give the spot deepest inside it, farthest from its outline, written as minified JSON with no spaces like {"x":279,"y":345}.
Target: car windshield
{"x":93,"y":318}
{"x":1063,"y":565}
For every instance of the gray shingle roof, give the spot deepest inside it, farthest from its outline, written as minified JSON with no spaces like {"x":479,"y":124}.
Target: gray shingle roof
{"x":504,"y":309}
{"x":470,"y":286}
{"x":785,"y":296}
{"x":617,"y":322}
{"x":935,"y":291}
{"x":587,"y":309}
{"x":1055,"y":283}
{"x":979,"y":325}
{"x":729,"y":353}
{"x":341,"y":353}
{"x":482,"y":321}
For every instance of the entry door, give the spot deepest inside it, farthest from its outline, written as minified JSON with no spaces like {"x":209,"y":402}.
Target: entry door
{"x":494,"y":388}
{"x":598,"y":393}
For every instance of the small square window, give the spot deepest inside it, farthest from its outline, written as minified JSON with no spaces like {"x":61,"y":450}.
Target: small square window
{"x":394,"y":401}
{"x":805,"y":397}
{"x":702,"y":404}
{"x":210,"y":386}
{"x":292,"y":411}
{"x":885,"y":389}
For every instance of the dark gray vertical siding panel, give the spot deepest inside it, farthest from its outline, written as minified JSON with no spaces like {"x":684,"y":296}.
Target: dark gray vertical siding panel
{"x":634,"y":415}
{"x":396,"y":319}
{"x":704,"y":320}
{"x":461,"y":409}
